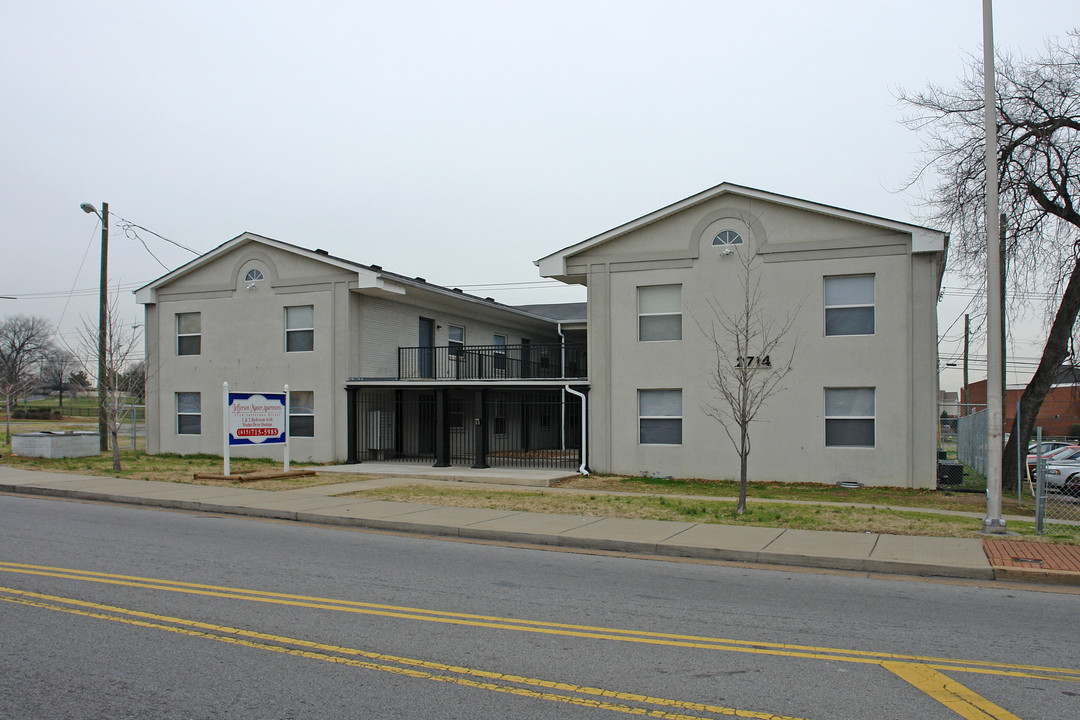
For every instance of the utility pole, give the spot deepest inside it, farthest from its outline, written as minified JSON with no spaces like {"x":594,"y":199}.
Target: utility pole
{"x":993,"y":523}
{"x":967,"y":336}
{"x":1003,"y":234}
{"x":103,"y":310}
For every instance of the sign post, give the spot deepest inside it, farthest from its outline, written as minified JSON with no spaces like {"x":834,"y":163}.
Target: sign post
{"x":252,"y":418}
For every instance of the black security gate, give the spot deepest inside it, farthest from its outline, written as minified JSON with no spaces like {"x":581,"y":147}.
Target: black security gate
{"x":479,"y":427}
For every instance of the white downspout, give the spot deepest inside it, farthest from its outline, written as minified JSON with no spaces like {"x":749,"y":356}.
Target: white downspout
{"x":562,"y":365}
{"x":562,"y":348}
{"x":584,"y":427}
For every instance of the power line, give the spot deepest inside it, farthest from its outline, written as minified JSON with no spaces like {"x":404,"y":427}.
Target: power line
{"x":125,"y":224}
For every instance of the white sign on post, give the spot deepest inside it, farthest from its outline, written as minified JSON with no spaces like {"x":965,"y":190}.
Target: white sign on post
{"x":253,"y":418}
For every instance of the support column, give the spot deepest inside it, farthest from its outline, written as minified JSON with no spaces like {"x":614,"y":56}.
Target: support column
{"x":480,"y":439}
{"x":351,"y":416}
{"x":442,"y":430}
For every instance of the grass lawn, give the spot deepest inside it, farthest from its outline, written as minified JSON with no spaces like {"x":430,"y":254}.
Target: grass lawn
{"x":851,"y":518}
{"x":178,"y":468}
{"x":809,"y":492}
{"x":806,"y":505}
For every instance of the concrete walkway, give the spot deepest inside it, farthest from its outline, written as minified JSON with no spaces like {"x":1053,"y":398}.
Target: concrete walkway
{"x":327,"y":504}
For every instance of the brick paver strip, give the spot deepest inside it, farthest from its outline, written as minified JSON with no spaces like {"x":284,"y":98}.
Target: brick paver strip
{"x":1033,"y":555}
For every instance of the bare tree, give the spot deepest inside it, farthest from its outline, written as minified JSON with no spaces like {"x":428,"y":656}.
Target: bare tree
{"x":121,"y":346}
{"x":1038,"y":111}
{"x":753,"y":358}
{"x":24,"y":340}
{"x":133,"y":380}
{"x":56,"y":372}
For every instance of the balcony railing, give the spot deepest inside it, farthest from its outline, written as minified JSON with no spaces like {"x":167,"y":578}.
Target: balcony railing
{"x":538,"y":361}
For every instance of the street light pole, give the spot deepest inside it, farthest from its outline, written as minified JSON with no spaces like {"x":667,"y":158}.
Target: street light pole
{"x":103,"y":305}
{"x":993,"y":522}
{"x":103,"y":330}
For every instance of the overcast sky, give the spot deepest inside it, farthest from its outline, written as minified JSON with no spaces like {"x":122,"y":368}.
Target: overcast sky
{"x":457,"y":141}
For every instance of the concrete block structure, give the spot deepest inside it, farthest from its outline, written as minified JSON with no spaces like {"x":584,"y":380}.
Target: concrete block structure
{"x":861,"y":402}
{"x":383,"y":366}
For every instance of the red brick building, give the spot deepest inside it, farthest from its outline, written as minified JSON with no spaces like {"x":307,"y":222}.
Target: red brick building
{"x":1060,"y":410}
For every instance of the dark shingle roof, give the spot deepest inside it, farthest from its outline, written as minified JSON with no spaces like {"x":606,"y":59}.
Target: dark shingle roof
{"x":560,"y":312}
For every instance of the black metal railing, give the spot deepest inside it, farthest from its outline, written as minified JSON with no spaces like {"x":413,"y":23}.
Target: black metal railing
{"x":538,"y":361}
{"x":506,"y":428}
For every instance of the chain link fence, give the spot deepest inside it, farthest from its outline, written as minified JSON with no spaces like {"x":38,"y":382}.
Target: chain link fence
{"x":132,"y":435}
{"x":971,"y":432}
{"x":961,"y":447}
{"x":1057,"y":494}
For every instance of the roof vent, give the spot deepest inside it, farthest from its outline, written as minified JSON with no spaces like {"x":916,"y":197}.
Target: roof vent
{"x":419,"y":279}
{"x":458,"y":290}
{"x":490,"y":299}
{"x":320,"y":251}
{"x":375,"y":267}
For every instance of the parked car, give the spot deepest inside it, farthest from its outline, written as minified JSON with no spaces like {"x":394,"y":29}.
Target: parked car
{"x":1065,"y":453}
{"x":1059,"y":473}
{"x":1072,"y":485}
{"x":1048,"y":446}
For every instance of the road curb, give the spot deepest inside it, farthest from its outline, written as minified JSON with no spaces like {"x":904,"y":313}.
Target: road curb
{"x":1038,"y":576}
{"x":659,"y":549}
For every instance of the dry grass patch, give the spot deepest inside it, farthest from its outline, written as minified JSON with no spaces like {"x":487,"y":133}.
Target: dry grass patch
{"x":760,"y":514}
{"x":806,"y":492}
{"x":179,"y":468}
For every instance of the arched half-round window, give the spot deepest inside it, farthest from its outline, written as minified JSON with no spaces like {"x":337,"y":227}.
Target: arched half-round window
{"x":727,"y":237}
{"x":253,"y":275}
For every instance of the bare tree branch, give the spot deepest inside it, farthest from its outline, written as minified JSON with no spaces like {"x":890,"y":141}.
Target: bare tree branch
{"x":1038,"y":109}
{"x":121,"y":349}
{"x":24,"y":341}
{"x":752,"y":359}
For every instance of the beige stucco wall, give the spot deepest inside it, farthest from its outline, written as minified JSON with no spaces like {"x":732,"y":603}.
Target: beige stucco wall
{"x":357,"y":333}
{"x":797,"y":250}
{"x":243,"y":343}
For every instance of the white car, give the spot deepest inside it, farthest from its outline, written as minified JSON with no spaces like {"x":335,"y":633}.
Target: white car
{"x":1059,"y":472}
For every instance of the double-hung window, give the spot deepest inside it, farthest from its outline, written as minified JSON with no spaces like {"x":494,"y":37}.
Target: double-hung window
{"x":300,"y":328}
{"x":849,"y":305}
{"x":188,"y":333}
{"x":660,"y":417}
{"x":188,"y":413}
{"x":849,"y":417}
{"x":456,"y":341}
{"x":301,"y":413}
{"x":659,"y":313}
{"x":499,"y":342}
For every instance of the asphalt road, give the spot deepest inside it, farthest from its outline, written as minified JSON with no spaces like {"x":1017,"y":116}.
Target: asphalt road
{"x":121,"y":612}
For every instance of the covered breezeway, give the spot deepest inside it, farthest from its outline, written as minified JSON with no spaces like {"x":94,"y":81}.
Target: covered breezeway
{"x":476,"y":427}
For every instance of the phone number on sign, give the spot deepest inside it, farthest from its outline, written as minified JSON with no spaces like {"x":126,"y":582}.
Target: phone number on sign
{"x":255,"y":432}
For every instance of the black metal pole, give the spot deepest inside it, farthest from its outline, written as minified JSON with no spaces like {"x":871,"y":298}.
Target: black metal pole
{"x":103,"y":302}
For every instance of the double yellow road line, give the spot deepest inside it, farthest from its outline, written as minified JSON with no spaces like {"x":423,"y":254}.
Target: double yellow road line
{"x":925,"y":673}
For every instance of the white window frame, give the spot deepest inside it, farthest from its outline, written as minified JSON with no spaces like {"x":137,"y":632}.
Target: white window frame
{"x":837,"y":417}
{"x":728,"y":237}
{"x":296,"y":409}
{"x":180,"y":414}
{"x":297,"y":330}
{"x":854,"y":306}
{"x":668,"y":313}
{"x":455,"y":347}
{"x":641,"y":392}
{"x":498,"y":342}
{"x":498,"y":417}
{"x":180,"y":335}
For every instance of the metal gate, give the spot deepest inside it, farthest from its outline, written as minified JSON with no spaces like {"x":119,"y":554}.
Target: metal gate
{"x":490,"y":427}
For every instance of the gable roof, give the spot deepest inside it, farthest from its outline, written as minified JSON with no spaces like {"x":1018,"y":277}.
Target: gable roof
{"x":371,"y":277}
{"x":922,"y":239}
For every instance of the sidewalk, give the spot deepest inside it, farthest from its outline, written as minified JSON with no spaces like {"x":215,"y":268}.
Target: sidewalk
{"x":325,"y":504}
